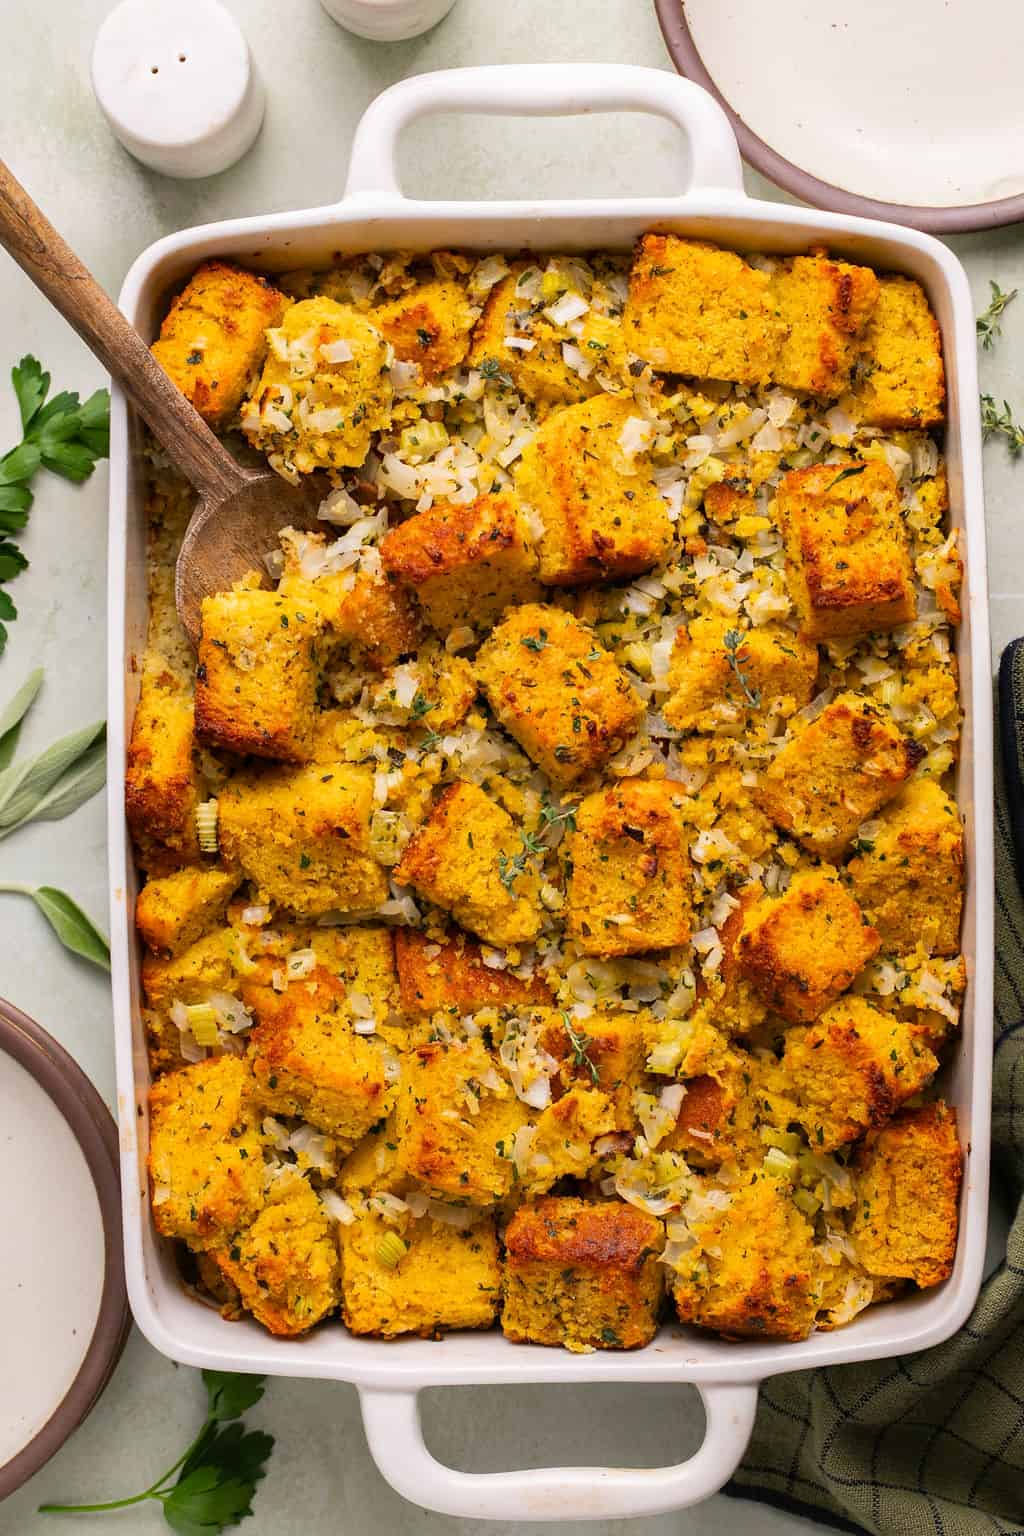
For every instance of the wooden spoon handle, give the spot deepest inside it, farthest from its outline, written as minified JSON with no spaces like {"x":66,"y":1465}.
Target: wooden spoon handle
{"x":52,"y":265}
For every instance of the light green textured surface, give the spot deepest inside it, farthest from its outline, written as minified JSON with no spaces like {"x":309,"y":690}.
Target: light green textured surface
{"x":318,"y":80}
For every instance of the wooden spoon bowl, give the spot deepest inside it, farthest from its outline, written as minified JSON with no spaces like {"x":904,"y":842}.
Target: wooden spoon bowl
{"x":240,"y":512}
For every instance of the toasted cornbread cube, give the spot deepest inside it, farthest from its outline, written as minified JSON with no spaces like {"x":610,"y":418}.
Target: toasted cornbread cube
{"x":448,"y":1277}
{"x":718,"y":673}
{"x":324,"y":390}
{"x":835,"y":773}
{"x":370,"y":617}
{"x":847,"y":559}
{"x":359,"y":955}
{"x":630,"y":886}
{"x":430,"y":325}
{"x":699,"y":310}
{"x":755,"y":1272}
{"x":908,"y":876}
{"x":442,"y":690}
{"x":454,"y":1112}
{"x":908,"y":1190}
{"x":257,"y":676}
{"x":602,"y":515}
{"x":285,"y":1266}
{"x":308,"y":1061}
{"x":205,"y":1157}
{"x":191,"y":975}
{"x":372,"y":1167}
{"x":541,"y":373}
{"x":738,"y":1007}
{"x":803,"y":948}
{"x":302,"y":835}
{"x":557,"y":691}
{"x":726,"y":501}
{"x":824,"y":307}
{"x":703,"y":1127}
{"x":605,"y":1049}
{"x":563,"y":1145}
{"x":900,"y":380}
{"x":451,"y":977}
{"x":852,"y":1069}
{"x":468,"y":859}
{"x":175,"y":910}
{"x":583,"y":1275}
{"x":162,"y":787}
{"x":214,"y":336}
{"x":466,"y":563}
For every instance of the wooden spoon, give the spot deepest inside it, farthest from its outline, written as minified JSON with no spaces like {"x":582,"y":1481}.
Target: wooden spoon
{"x":240,"y":511}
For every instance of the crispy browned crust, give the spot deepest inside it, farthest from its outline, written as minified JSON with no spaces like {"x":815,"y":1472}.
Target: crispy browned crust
{"x":455,"y":978}
{"x":909,"y":1175}
{"x":568,"y":1232}
{"x":806,"y":947}
{"x":425,"y":852}
{"x":703,"y":1120}
{"x":161,"y":784}
{"x":448,"y":536}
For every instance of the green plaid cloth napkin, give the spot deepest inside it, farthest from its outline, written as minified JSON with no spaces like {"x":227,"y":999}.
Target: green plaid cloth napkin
{"x":933,"y":1442}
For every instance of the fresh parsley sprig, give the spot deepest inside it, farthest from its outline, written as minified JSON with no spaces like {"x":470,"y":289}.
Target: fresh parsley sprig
{"x":987,"y":323}
{"x":47,"y":787}
{"x":217,"y":1476}
{"x":1001,"y":424}
{"x":63,"y":435}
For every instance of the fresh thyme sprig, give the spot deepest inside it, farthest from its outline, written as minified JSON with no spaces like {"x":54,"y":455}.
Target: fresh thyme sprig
{"x":987,"y":324}
{"x":579,"y":1043}
{"x":509,"y":869}
{"x":217,"y":1476}
{"x":1001,"y":423}
{"x":734,"y":641}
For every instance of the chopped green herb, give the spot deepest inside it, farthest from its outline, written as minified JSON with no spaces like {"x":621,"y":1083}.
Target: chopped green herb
{"x":578,"y":1044}
{"x":535,"y":642}
{"x":847,"y":474}
{"x":492,"y":369}
{"x":733,"y":641}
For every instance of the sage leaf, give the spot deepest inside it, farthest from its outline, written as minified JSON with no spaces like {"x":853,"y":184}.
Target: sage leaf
{"x":76,"y":932}
{"x":24,"y":784}
{"x":12,"y":716}
{"x":73,"y":789}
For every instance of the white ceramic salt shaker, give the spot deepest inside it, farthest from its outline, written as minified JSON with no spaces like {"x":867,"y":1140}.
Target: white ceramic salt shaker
{"x":176,"y":82}
{"x":388,"y":21}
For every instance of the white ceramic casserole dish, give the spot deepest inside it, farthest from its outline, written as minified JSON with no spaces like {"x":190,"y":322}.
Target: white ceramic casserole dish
{"x":374,"y":215}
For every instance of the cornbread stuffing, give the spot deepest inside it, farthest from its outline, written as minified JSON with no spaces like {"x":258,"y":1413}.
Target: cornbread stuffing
{"x":552,"y":879}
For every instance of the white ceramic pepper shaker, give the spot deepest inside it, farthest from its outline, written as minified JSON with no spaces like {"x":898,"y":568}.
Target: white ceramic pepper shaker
{"x":387,"y":21}
{"x":176,"y":82}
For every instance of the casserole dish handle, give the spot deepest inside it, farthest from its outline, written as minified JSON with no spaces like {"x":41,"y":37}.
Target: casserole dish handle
{"x":708,"y":158}
{"x":392,"y":1421}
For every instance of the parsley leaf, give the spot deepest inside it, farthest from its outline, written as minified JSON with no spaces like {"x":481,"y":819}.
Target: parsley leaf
{"x":61,"y":435}
{"x":217,"y":1476}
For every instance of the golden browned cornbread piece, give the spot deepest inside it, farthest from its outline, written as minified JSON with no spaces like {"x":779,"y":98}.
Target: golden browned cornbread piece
{"x":323,"y":392}
{"x":175,"y":910}
{"x":213,"y":337}
{"x":703,"y":1127}
{"x":602,"y":515}
{"x":908,"y":1190}
{"x":754,"y":1273}
{"x":302,"y":835}
{"x":541,"y":374}
{"x":430,"y":325}
{"x":726,"y":501}
{"x":900,"y":380}
{"x":449,"y":1277}
{"x":605,"y":1049}
{"x":205,"y":1157}
{"x":847,"y":559}
{"x":717,"y":673}
{"x":581,"y":1274}
{"x":699,"y":310}
{"x":359,"y":955}
{"x":803,"y":948}
{"x":468,"y":858}
{"x":257,"y":676}
{"x":454,"y":1110}
{"x":562,"y":1146}
{"x":285,"y":1266}
{"x":824,"y":307}
{"x":307,"y":1060}
{"x":835,"y":773}
{"x":908,"y":876}
{"x":852,"y":1069}
{"x":370,"y":617}
{"x":466,"y":563}
{"x":737,"y":1005}
{"x":557,"y":691}
{"x":162,"y":786}
{"x":192,"y":974}
{"x":451,"y":977}
{"x":630,"y":886}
